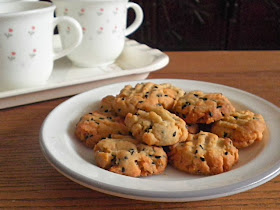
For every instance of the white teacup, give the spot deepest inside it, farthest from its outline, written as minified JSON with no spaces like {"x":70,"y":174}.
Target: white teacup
{"x":26,"y":43}
{"x":104,"y":28}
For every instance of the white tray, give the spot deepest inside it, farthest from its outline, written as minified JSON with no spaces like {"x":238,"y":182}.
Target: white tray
{"x":135,"y":63}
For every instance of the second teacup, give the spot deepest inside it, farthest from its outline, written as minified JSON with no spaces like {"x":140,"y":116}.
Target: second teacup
{"x":104,"y":28}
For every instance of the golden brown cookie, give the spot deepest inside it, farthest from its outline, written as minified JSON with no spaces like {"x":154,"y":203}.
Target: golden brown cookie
{"x":107,"y":103}
{"x":156,"y":127}
{"x":204,"y":153}
{"x":198,"y":107}
{"x":131,"y":98}
{"x":124,"y":157}
{"x":242,"y":127}
{"x":94,"y":126}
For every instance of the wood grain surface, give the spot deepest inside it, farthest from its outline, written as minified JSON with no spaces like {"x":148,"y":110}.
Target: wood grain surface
{"x":28,"y":181}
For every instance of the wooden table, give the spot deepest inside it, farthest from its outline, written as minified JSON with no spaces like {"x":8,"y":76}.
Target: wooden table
{"x":28,"y":181}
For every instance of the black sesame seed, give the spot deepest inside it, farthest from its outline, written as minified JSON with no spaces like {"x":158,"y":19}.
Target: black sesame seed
{"x":110,"y":118}
{"x":159,"y":95}
{"x":140,"y":102}
{"x":235,"y":117}
{"x":226,"y":153}
{"x":90,"y":113}
{"x":184,"y":116}
{"x":225,"y":135}
{"x":136,"y":162}
{"x":110,"y":136}
{"x":202,"y":159}
{"x":123,"y":169}
{"x":174,"y":134}
{"x":97,"y":122}
{"x":106,"y":110}
{"x":156,"y":86}
{"x":195,"y":95}
{"x":159,"y":104}
{"x":204,"y":99}
{"x":146,"y":96}
{"x":196,"y":151}
{"x":219,"y":107}
{"x":210,"y":114}
{"x":166,"y":95}
{"x":131,"y":151}
{"x":89,"y":136}
{"x":125,"y":157}
{"x":130,"y":133}
{"x":122,"y":99}
{"x":186,"y":104}
{"x":119,"y":110}
{"x":201,"y":146}
{"x":101,"y":118}
{"x":157,"y":157}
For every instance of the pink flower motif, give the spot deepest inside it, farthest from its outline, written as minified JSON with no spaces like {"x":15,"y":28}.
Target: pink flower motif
{"x":66,"y":10}
{"x":33,"y":28}
{"x":11,"y":30}
{"x":101,"y":28}
{"x":82,"y":12}
{"x":13,"y":53}
{"x":101,"y":10}
{"x":34,"y":50}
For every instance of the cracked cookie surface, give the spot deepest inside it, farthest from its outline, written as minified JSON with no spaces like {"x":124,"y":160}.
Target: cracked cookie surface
{"x":124,"y":156}
{"x":203,"y":153}
{"x":96,"y":125}
{"x":242,"y":127}
{"x":156,"y":127}
{"x":130,"y":98}
{"x":198,"y":107}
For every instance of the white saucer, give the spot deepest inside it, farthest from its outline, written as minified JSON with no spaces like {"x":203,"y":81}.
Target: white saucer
{"x":135,"y":63}
{"x":258,"y":163}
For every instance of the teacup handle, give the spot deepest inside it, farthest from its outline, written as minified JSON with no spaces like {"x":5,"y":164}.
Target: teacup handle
{"x":78,"y":39}
{"x":138,"y":17}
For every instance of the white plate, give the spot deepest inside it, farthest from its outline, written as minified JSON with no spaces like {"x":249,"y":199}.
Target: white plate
{"x":135,"y":63}
{"x":258,"y":163}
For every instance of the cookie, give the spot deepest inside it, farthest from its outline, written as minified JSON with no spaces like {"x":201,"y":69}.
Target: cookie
{"x":203,"y":153}
{"x":123,"y":156}
{"x":156,"y":127}
{"x":106,"y":104}
{"x":94,"y":126}
{"x":242,"y":127}
{"x":198,"y":107}
{"x":130,"y":99}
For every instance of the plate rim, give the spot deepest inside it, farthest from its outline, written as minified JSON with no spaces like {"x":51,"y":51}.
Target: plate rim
{"x":162,"y":196}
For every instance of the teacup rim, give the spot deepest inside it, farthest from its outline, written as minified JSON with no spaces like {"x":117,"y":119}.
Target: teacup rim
{"x":49,"y":6}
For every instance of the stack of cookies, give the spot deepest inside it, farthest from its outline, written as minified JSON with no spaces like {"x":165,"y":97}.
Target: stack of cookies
{"x":143,"y":128}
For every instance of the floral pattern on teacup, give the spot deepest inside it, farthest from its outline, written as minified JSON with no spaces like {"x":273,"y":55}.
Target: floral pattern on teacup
{"x":68,"y":29}
{"x":12,"y":56}
{"x":100,"y":30}
{"x":65,"y":12}
{"x":115,"y":29}
{"x":9,"y":33}
{"x":82,"y":12}
{"x":100,"y":12}
{"x":115,"y":11}
{"x":32,"y":30}
{"x":33,"y":53}
{"x":84,"y":30}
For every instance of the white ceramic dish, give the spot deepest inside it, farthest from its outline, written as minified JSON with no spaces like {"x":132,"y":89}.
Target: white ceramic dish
{"x":135,"y":63}
{"x":258,"y":163}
